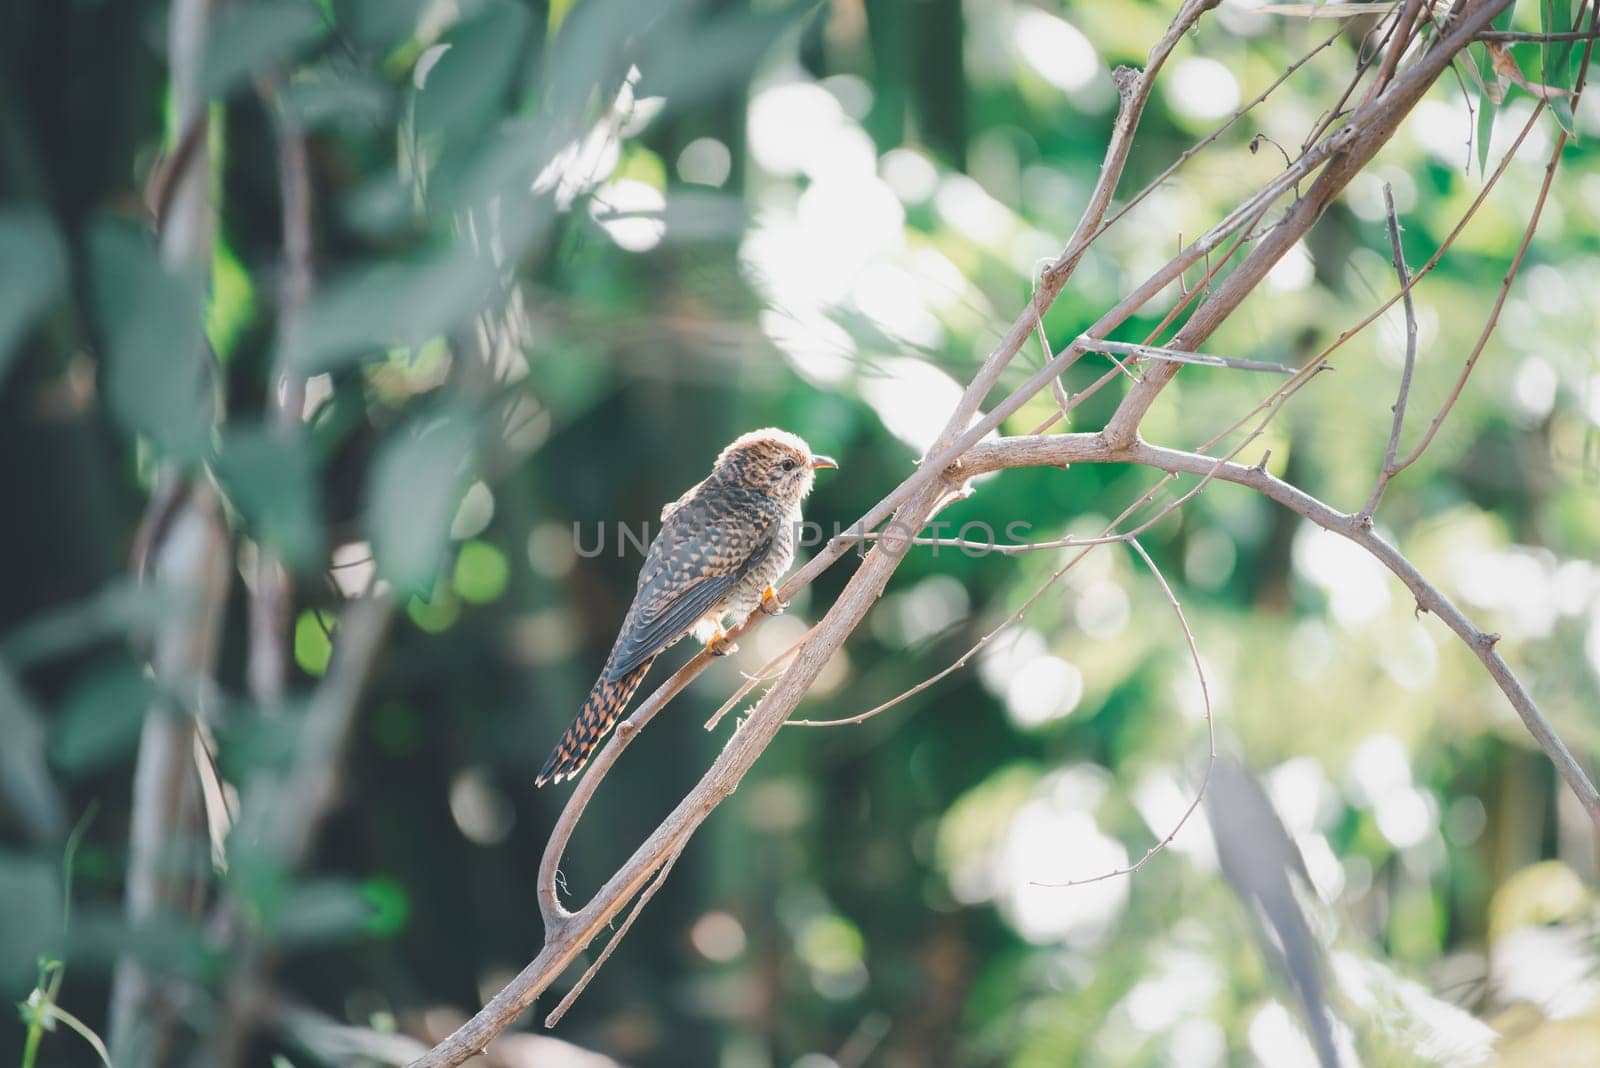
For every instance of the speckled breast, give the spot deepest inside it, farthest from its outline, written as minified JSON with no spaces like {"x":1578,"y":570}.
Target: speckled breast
{"x":744,"y":597}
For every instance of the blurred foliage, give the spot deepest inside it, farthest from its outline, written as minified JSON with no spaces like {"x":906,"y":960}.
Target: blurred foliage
{"x":563,"y":252}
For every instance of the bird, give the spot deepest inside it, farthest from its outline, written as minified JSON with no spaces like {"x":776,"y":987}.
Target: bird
{"x":721,"y":549}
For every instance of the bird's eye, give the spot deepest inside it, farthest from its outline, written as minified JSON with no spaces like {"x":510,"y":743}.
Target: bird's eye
{"x":788,"y":464}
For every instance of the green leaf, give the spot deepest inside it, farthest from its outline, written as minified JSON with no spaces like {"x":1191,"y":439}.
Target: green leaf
{"x":334,"y":96}
{"x":271,"y":479}
{"x":120,"y":609}
{"x":1561,"y":108}
{"x":1486,"y":108}
{"x":1487,"y":77}
{"x":462,"y":79}
{"x":692,"y":61}
{"x":321,"y":911}
{"x":102,"y":718}
{"x":34,"y":266}
{"x":418,"y":480}
{"x":251,"y":39}
{"x":155,"y":351}
{"x":392,"y":305}
{"x":1555,"y":16}
{"x":30,"y":918}
{"x":25,"y":785}
{"x":379,"y":24}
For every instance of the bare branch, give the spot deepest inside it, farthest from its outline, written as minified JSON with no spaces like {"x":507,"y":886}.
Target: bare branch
{"x":1027,"y":452}
{"x":1378,"y":120}
{"x":1397,"y":47}
{"x":765,"y":673}
{"x":1048,"y":452}
{"x":1527,"y":36}
{"x":1195,"y":149}
{"x":1386,"y":472}
{"x":1516,"y":262}
{"x":184,"y":546}
{"x":272,"y":593}
{"x":1494,"y":313}
{"x":1152,"y":352}
{"x":616,"y":939}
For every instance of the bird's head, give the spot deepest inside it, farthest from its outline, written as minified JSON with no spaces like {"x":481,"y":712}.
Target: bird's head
{"x":775,"y":462}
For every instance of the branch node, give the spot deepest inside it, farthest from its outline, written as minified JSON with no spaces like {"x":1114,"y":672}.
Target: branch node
{"x":1125,"y":79}
{"x":1260,"y":466}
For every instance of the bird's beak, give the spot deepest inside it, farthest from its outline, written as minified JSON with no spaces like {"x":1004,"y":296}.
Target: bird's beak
{"x":819,"y":462}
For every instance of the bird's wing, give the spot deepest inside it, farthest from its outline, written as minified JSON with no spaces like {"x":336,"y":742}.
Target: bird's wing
{"x":688,"y":494}
{"x":697,"y":558}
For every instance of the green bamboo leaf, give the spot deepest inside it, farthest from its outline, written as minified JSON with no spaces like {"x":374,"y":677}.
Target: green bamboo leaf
{"x":250,"y":39}
{"x":1555,"y":17}
{"x":418,"y":481}
{"x":34,"y":265}
{"x":271,"y":480}
{"x":25,"y":784}
{"x":102,"y":718}
{"x":155,"y":351}
{"x":1487,"y":108}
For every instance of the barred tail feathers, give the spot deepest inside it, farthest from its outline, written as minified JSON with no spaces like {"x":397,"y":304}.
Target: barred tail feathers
{"x":600,"y":712}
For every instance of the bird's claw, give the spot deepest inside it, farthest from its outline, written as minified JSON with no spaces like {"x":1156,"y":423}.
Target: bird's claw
{"x":721,"y":644}
{"x":770,"y":603}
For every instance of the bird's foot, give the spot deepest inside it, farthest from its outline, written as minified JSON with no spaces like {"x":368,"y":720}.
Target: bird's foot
{"x":720,"y":644}
{"x":770,"y":603}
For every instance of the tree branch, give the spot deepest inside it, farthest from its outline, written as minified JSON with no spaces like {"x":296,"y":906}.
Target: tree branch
{"x":1494,"y":313}
{"x":272,"y":596}
{"x":184,"y":545}
{"x":1378,"y":120}
{"x":1029,"y":452}
{"x":1387,"y":470}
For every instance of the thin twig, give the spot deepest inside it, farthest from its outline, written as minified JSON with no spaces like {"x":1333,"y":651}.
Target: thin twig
{"x":1527,"y":238}
{"x":1092,"y":451}
{"x":1205,"y":142}
{"x":1494,"y":313}
{"x":1387,"y":471}
{"x":1152,"y":352}
{"x":1364,"y":63}
{"x":285,"y":814}
{"x":273,"y":593}
{"x":1027,"y":452}
{"x":605,"y":954}
{"x":1381,"y":118}
{"x":765,"y":673}
{"x":1211,"y":733}
{"x":1527,"y":36}
{"x":1397,"y":48}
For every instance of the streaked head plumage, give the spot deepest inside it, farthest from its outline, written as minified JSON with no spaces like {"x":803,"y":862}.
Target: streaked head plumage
{"x":774,"y":461}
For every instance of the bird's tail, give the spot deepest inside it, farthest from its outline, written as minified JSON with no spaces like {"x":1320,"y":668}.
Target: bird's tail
{"x":599,"y":714}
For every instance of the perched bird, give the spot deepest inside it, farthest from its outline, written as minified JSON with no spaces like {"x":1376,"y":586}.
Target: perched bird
{"x":722,"y":547}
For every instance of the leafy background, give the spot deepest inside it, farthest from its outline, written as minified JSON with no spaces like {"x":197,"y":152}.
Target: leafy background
{"x":692,"y":221}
